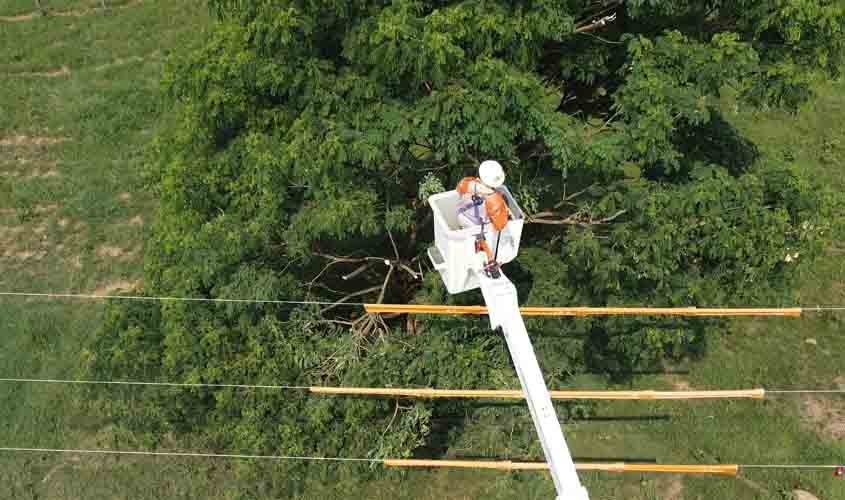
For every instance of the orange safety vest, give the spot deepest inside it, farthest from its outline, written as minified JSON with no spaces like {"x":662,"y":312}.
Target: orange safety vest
{"x":494,"y":203}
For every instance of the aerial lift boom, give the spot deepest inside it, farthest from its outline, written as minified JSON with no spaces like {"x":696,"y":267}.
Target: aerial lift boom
{"x":501,"y":300}
{"x":465,"y":261}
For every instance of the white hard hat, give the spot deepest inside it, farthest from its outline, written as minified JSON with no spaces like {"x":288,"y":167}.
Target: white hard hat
{"x":491,"y":173}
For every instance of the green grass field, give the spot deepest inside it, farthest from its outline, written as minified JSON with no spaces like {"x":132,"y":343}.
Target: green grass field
{"x":79,"y":103}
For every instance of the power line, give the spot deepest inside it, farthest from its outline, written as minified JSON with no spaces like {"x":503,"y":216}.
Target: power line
{"x":192,"y":454}
{"x":790,"y":466}
{"x":808,"y":391}
{"x":165,"y":384}
{"x":824,"y":308}
{"x":718,"y":469}
{"x":52,"y":295}
{"x":449,"y":393}
{"x":176,"y":299}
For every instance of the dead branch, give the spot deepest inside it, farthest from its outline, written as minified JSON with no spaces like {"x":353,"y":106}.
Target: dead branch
{"x":601,"y":129}
{"x":599,"y":23}
{"x":606,"y":7}
{"x":352,"y":260}
{"x":371,"y":323}
{"x":393,"y":244}
{"x":334,"y":259}
{"x":410,"y":271}
{"x":361,"y":269}
{"x":384,"y":285}
{"x":325,"y":268}
{"x":351,"y":296}
{"x":572,"y":196}
{"x":395,"y":413}
{"x":603,"y":40}
{"x":572,"y":220}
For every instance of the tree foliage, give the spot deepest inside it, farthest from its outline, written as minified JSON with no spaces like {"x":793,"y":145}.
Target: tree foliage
{"x":306,"y":136}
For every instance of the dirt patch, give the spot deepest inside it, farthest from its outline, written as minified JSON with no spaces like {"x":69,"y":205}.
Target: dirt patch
{"x":46,"y":173}
{"x":754,"y":486}
{"x":12,"y":246}
{"x":28,"y":140}
{"x":56,"y":73}
{"x":47,"y":169}
{"x":681,"y":385}
{"x":25,"y":254}
{"x":670,"y":488}
{"x":117,"y":286}
{"x":803,"y":495}
{"x":22,"y":17}
{"x":824,"y":414}
{"x":109,"y":251}
{"x":65,"y":13}
{"x":120,"y":61}
{"x":52,"y":471}
{"x":8,"y":236}
{"x":9,"y":233}
{"x":122,"y":254}
{"x":136,"y":221}
{"x":124,"y":196}
{"x":28,"y":241}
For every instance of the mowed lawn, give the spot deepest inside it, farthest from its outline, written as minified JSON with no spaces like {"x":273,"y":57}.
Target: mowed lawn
{"x":79,"y":103}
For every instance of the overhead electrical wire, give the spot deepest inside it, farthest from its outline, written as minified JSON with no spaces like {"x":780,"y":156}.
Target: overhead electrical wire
{"x":505,"y":465}
{"x":162,"y":384}
{"x":429,"y":393}
{"x":443,"y":309}
{"x":176,"y":299}
{"x":718,"y":469}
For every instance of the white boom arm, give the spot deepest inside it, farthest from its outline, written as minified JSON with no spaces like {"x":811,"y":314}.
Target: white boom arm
{"x":501,"y":299}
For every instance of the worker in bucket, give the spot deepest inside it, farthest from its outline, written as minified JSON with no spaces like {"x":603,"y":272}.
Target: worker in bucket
{"x":482,"y":205}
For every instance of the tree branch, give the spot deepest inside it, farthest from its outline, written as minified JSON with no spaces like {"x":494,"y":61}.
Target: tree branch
{"x":384,"y":285}
{"x":573,"y":196}
{"x":347,"y":259}
{"x":599,"y":23}
{"x":352,"y":295}
{"x":572,"y":220}
{"x":393,"y":243}
{"x":356,"y":272}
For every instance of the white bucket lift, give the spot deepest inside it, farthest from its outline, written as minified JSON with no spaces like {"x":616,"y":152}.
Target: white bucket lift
{"x":454,"y":257}
{"x":454,"y":252}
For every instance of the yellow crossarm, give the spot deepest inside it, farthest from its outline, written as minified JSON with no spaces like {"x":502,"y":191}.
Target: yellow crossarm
{"x":425,"y":393}
{"x":792,"y":312}
{"x":621,"y":467}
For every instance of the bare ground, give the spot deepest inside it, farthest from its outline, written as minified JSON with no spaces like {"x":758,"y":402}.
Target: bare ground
{"x":825,"y":415}
{"x":26,"y":140}
{"x":116,"y":286}
{"x":110,"y":251}
{"x":671,"y":487}
{"x":63,"y":71}
{"x":64,"y":13}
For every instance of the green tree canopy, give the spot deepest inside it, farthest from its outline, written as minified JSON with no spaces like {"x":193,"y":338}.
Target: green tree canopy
{"x":305,"y":136}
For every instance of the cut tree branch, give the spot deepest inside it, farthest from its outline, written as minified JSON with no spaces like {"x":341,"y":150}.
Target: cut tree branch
{"x":361,"y":269}
{"x":352,"y":295}
{"x":554,"y":218}
{"x":393,"y":243}
{"x":572,"y":196}
{"x":599,"y":23}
